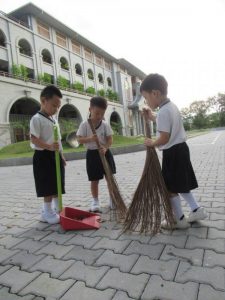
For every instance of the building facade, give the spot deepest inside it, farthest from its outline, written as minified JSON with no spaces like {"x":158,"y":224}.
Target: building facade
{"x":36,"y":50}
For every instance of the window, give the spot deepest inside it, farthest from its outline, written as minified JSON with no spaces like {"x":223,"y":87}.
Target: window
{"x":108,"y":65}
{"x":100,"y":78}
{"x":90,"y":74}
{"x":98,"y":60}
{"x":122,"y":69}
{"x":46,"y":56}
{"x":64,"y":63}
{"x":78,"y":69}
{"x":109,"y":81}
{"x":61,"y":39}
{"x":88,"y":54}
{"x":76,"y":47}
{"x":2,"y":39}
{"x":25,"y":47}
{"x":43,"y":30}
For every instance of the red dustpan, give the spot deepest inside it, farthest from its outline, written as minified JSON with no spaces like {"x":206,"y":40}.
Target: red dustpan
{"x":72,"y":218}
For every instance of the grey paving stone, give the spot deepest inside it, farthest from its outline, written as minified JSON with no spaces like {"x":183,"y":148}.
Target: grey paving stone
{"x":214,"y":216}
{"x":213,"y":259}
{"x":200,"y":232}
{"x":123,"y":262}
{"x":132,"y":284}
{"x":24,"y":260}
{"x":30,"y":245}
{"x":219,"y":224}
{"x":212,"y":276}
{"x":116,"y":246}
{"x":153,"y":251}
{"x":166,"y":269}
{"x":34,"y":234}
{"x":6,"y":295}
{"x":136,"y":237}
{"x":111,"y":234}
{"x":59,"y":238}
{"x":86,"y":255}
{"x":177,"y":241}
{"x":159,"y":289}
{"x":47,"y":287}
{"x":91,"y":275}
{"x":51,"y":265}
{"x":5,"y":268}
{"x":214,"y":233}
{"x":9,"y":241}
{"x":217,"y":245}
{"x":122,"y":296}
{"x":206,"y":292}
{"x":86,"y":242}
{"x":194,"y":257}
{"x":58,"y":251}
{"x":6,"y":253}
{"x":83,"y":293}
{"x":16,"y":279}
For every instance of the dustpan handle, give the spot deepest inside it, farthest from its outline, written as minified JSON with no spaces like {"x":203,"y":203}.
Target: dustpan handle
{"x":58,"y":171}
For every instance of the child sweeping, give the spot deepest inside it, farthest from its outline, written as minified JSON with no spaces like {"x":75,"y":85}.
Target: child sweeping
{"x":94,"y":166}
{"x":177,"y":169}
{"x":42,"y":141}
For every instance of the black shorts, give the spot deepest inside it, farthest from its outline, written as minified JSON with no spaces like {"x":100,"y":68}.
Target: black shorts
{"x":94,"y":165}
{"x":177,"y":169}
{"x":44,"y":168}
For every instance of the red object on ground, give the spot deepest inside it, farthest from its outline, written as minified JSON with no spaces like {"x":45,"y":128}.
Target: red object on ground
{"x":76,"y":219}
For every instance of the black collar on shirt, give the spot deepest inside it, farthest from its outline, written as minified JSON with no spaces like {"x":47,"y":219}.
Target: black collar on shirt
{"x":47,"y":116}
{"x":167,"y":100}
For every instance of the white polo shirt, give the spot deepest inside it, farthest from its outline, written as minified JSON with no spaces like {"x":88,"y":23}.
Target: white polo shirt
{"x":102,"y":132}
{"x":43,"y":128}
{"x":169,"y":120}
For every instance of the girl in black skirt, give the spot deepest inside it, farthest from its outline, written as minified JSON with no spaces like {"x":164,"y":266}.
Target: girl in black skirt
{"x":42,"y":141}
{"x":177,"y":169}
{"x":104,"y":133}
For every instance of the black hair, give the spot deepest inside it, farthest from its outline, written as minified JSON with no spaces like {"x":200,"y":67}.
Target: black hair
{"x":49,"y":91}
{"x":154,"y":82}
{"x":98,"y":102}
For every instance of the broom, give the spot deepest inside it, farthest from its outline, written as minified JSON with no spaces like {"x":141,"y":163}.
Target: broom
{"x":117,"y":201}
{"x":151,"y":198}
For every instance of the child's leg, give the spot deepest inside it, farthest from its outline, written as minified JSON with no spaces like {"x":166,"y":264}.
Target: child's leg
{"x":55,"y":203}
{"x":94,"y":191}
{"x":176,"y":206}
{"x":47,"y":204}
{"x":48,"y":215}
{"x":189,"y":198}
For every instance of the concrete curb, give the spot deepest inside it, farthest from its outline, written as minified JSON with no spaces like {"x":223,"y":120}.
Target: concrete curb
{"x":21,"y":161}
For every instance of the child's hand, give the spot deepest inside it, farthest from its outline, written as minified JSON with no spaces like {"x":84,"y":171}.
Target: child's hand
{"x":103,"y":150}
{"x":147,"y":114}
{"x":54,"y":146}
{"x":149,"y":142}
{"x":94,"y":138}
{"x":63,"y":160}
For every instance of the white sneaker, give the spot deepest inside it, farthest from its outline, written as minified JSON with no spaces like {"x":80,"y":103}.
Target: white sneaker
{"x":200,"y":214}
{"x":50,"y":217}
{"x":95,"y":207}
{"x":179,"y":224}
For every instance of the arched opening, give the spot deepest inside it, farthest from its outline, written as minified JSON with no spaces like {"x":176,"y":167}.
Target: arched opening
{"x":100,"y":78}
{"x":116,"y":124}
{"x":46,"y":56}
{"x":2,"y":39}
{"x":90,"y":74}
{"x":69,"y":119}
{"x":109,"y":81}
{"x":64,"y":63}
{"x":19,"y":117}
{"x":25,"y":47}
{"x":78,"y":69}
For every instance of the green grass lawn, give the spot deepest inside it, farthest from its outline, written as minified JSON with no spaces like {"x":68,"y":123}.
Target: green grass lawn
{"x":23,"y":149}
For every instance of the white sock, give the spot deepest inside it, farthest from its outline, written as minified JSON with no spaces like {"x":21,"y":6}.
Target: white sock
{"x":47,"y":207}
{"x":55,"y":202}
{"x":176,"y":206}
{"x":95,"y":201}
{"x":189,"y":198}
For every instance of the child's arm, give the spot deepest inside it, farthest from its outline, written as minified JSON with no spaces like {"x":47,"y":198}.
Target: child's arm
{"x":87,"y":139}
{"x":41,"y":144}
{"x":160,"y":141}
{"x":105,"y":147}
{"x":148,"y":114}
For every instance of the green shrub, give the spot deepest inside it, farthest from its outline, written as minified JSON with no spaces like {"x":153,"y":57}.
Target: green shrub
{"x":78,"y":86}
{"x":90,"y":90}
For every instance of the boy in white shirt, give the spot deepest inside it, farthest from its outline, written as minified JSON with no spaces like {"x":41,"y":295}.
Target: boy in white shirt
{"x":42,"y":141}
{"x":95,"y":170}
{"x":177,"y":169}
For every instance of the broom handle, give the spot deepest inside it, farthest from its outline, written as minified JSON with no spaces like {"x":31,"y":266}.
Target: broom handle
{"x":58,"y":171}
{"x":94,"y":132}
{"x":148,"y":128}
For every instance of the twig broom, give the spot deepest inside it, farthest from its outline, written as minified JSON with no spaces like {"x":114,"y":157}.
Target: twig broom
{"x":117,"y":201}
{"x":151,"y":198}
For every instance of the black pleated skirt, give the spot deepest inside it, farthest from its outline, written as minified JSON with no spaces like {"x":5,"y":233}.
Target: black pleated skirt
{"x":94,"y":165}
{"x":44,"y":168}
{"x":177,"y":169}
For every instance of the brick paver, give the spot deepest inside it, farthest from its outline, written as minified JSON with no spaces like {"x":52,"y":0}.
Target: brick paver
{"x":39,"y":261}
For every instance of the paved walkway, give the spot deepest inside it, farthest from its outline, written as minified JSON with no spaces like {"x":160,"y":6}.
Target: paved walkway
{"x":38,"y":261}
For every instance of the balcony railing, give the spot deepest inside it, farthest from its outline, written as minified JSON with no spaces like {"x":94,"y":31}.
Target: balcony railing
{"x":15,"y":19}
